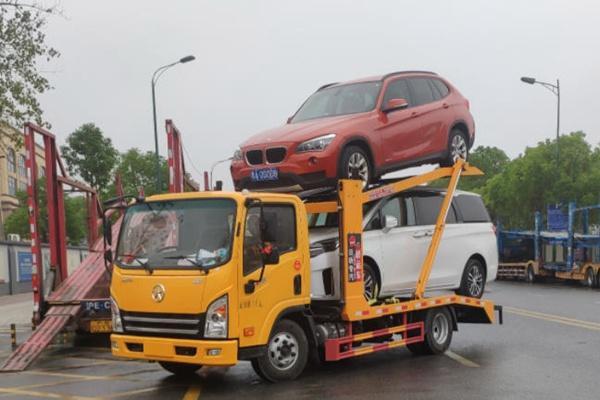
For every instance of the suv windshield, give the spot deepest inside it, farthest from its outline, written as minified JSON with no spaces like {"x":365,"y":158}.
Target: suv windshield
{"x":339,"y":100}
{"x":176,"y":234}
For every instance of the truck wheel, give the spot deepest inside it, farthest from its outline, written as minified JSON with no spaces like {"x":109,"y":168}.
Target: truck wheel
{"x":590,"y":279}
{"x":355,"y":160}
{"x":371,"y":283}
{"x":180,"y":369}
{"x":438,"y":333}
{"x":472,"y":283}
{"x":286,"y":355}
{"x":458,"y":147}
{"x":530,"y":275}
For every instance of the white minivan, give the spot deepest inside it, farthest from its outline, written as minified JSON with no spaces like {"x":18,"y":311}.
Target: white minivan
{"x":397,"y":233}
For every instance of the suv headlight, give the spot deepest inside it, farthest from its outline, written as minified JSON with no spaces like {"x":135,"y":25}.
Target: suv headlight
{"x":117,"y":322}
{"x":324,"y":246}
{"x":237,"y":155}
{"x":316,"y":144}
{"x":216,"y":319}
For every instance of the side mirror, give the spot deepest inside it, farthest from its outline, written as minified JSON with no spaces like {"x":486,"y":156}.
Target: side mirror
{"x":289,"y":119}
{"x":271,"y":256}
{"x":395,"y":104}
{"x":107,"y":230}
{"x":108,"y":256}
{"x":389,"y":222}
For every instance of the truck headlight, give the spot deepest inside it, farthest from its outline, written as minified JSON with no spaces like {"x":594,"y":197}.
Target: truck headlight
{"x":117,"y":323}
{"x":216,"y":319}
{"x":316,"y":144}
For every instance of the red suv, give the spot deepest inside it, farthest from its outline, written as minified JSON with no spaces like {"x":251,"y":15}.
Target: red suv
{"x":366,"y":127}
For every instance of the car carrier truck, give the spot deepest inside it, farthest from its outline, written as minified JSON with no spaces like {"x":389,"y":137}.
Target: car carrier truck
{"x":213,"y":278}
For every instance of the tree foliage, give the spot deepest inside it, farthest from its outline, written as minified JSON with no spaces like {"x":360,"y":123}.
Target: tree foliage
{"x":91,"y":156}
{"x":75,"y":214}
{"x":22,"y":45}
{"x":138,"y":169}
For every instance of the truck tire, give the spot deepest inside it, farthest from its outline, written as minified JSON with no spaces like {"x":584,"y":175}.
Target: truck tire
{"x":472,"y":283}
{"x":438,"y":333}
{"x":286,"y":355}
{"x":590,"y":278}
{"x":180,"y":369}
{"x":530,"y":274}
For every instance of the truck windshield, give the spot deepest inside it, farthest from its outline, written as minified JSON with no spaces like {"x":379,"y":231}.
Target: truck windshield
{"x":177,"y":234}
{"x":339,"y":100}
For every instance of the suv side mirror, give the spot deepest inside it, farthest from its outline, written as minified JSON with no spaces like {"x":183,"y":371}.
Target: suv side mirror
{"x":289,"y":119}
{"x":107,"y":230}
{"x":389,"y":222}
{"x":395,"y":104}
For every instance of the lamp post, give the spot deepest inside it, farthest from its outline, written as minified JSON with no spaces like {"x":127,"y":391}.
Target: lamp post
{"x":155,"y":77}
{"x":556,"y":90}
{"x":212,"y":167}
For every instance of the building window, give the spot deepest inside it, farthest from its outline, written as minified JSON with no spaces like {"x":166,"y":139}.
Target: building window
{"x":41,"y":172}
{"x":21,"y":186}
{"x":11,"y":160}
{"x":12,"y":186}
{"x":22,"y":170}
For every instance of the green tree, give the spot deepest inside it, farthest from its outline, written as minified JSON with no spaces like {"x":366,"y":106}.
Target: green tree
{"x":75,"y":215}
{"x":138,"y":169}
{"x":533,"y":180}
{"x":22,"y":46}
{"x":90,"y":155}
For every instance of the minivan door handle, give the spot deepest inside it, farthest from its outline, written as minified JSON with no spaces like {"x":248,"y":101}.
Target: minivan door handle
{"x":422,"y":234}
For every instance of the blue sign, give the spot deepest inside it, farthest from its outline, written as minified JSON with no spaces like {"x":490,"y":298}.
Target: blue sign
{"x":558,"y":220}
{"x":24,"y":265}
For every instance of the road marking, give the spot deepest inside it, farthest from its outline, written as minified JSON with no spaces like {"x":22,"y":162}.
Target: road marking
{"x":554,"y":318}
{"x":458,"y":358}
{"x":43,"y":394}
{"x":132,"y":392}
{"x":193,"y":393}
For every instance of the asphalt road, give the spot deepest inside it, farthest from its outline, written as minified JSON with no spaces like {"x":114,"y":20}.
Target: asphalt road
{"x":548,"y":348}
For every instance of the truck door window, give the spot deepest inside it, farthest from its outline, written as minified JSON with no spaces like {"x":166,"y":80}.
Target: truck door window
{"x":280,"y":231}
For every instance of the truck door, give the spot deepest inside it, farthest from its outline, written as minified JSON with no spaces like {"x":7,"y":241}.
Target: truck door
{"x":283,"y":284}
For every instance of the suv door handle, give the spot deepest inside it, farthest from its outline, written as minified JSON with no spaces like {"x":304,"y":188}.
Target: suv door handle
{"x":445,"y":105}
{"x":414,"y":114}
{"x":422,"y":234}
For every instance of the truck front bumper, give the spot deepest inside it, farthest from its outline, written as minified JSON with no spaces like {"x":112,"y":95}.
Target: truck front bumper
{"x":203,"y":352}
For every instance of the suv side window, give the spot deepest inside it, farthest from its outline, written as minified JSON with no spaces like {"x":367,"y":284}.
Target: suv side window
{"x":398,"y":89}
{"x":428,"y":209}
{"x":472,"y":208}
{"x":422,"y":91}
{"x":280,"y":231}
{"x":441,"y":87}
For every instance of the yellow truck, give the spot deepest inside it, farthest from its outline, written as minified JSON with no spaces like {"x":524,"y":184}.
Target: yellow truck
{"x":213,"y":278}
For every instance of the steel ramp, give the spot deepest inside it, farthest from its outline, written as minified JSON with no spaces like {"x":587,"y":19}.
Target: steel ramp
{"x":65,"y":304}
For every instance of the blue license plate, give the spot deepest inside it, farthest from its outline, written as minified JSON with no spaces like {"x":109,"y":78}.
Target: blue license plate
{"x":264,"y":174}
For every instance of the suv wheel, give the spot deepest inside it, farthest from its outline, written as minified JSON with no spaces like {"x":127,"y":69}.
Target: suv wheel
{"x":473,"y":279}
{"x":355,"y":162}
{"x":458,"y":147}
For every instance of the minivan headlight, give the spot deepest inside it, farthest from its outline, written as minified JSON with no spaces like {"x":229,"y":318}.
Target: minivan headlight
{"x":324,"y":246}
{"x":117,"y":322}
{"x":216,"y":319}
{"x":316,"y":144}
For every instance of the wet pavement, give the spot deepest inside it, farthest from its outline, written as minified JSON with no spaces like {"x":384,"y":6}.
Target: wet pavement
{"x":548,"y":347}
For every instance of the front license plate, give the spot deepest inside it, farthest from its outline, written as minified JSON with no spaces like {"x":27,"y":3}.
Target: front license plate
{"x":101,"y":326}
{"x":265,"y":174}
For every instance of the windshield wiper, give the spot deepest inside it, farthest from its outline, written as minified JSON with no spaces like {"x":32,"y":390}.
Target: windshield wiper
{"x":194,"y":262}
{"x":139,"y":260}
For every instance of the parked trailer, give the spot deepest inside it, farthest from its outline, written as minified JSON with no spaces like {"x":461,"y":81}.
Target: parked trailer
{"x":564,"y":254}
{"x":187,"y":317}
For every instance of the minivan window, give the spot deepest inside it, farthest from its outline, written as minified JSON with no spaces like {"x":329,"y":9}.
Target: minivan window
{"x":421,"y":90}
{"x":397,"y":89}
{"x":472,"y":208}
{"x":428,"y":209}
{"x":395,"y":208}
{"x":339,"y":100}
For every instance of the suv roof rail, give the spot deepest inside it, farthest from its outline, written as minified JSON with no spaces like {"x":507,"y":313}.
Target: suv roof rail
{"x":407,"y":72}
{"x":327,"y":85}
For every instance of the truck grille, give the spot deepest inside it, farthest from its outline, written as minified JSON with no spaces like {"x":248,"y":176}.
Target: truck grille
{"x":275,"y":155}
{"x":155,"y":324}
{"x":254,"y":157}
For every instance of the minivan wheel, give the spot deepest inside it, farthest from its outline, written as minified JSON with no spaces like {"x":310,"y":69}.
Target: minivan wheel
{"x":371,"y":283}
{"x":473,"y":279}
{"x":458,"y":147}
{"x":355,"y":162}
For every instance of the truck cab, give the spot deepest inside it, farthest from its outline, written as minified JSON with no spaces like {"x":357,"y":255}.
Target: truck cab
{"x":201,"y":278}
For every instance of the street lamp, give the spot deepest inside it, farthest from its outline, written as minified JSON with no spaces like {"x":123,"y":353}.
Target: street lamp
{"x":212,"y":167}
{"x":556,"y":90}
{"x":155,"y":77}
